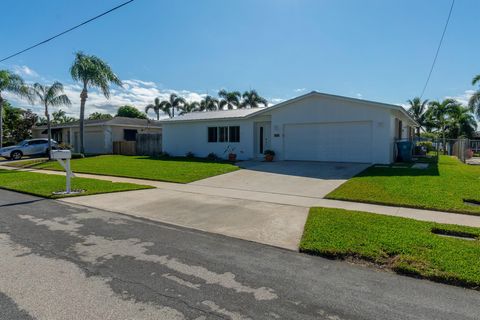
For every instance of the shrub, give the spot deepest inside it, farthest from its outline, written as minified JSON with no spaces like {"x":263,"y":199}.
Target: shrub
{"x":427,"y":144}
{"x":190,"y":155}
{"x":212,"y":156}
{"x":269,"y":152}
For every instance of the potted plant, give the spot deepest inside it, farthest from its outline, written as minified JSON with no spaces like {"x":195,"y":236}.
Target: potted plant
{"x":269,"y":154}
{"x":232,"y":156}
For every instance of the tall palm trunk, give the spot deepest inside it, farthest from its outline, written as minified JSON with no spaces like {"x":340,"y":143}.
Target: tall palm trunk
{"x":1,"y":121}
{"x":49,"y":132}
{"x":83,"y":100}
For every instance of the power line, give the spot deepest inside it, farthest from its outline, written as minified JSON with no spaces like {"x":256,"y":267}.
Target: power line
{"x":438,"y":49}
{"x":66,"y":31}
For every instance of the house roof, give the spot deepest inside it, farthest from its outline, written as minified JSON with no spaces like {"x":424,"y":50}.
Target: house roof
{"x":248,"y":113}
{"x":116,"y":121}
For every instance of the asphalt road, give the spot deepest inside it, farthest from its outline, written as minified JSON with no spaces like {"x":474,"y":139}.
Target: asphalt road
{"x":69,"y":262}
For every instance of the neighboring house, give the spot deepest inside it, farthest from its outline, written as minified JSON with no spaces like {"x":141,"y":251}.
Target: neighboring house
{"x":99,"y":134}
{"x":311,"y":127}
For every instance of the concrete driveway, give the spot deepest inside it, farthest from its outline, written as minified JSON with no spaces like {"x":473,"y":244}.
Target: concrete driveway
{"x":265,"y":202}
{"x":295,"y":178}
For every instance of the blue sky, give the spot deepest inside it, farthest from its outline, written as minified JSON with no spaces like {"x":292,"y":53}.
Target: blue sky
{"x":377,"y":50}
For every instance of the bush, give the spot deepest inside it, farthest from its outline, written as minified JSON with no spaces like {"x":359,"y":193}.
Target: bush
{"x":190,"y":155}
{"x":64,"y":146}
{"x":427,"y":144}
{"x":269,"y":152}
{"x":212,"y":156}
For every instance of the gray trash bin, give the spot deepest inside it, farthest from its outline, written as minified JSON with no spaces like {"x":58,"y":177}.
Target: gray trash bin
{"x":404,"y":151}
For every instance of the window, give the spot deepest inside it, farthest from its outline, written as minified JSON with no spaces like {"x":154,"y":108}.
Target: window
{"x":212,"y":134}
{"x":222,"y":134}
{"x":129,"y":135}
{"x":234,"y":134}
{"x":400,"y":127}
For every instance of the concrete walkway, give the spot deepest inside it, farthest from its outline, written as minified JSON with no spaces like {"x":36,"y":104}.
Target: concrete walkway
{"x":271,"y":218}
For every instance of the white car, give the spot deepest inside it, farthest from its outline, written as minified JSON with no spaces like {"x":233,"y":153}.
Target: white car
{"x":27,"y":148}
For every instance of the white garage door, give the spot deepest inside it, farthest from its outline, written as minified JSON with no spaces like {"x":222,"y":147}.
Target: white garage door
{"x":338,"y":142}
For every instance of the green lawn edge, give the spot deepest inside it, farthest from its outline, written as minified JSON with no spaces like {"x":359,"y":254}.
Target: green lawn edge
{"x":404,"y":246}
{"x":43,"y":185}
{"x":442,"y":187}
{"x":138,"y":165}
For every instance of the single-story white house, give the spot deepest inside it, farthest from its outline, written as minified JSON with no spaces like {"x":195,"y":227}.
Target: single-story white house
{"x":99,"y":134}
{"x":312,"y":127}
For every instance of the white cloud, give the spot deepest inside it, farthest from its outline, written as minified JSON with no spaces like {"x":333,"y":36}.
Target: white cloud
{"x":300,"y":90}
{"x":464,"y":97}
{"x":359,"y":96}
{"x":25,"y":71}
{"x":134,"y":92}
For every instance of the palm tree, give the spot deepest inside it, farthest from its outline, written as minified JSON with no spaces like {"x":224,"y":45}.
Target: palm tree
{"x":417,"y":111}
{"x":209,"y":104}
{"x":440,"y":115}
{"x":474,"y":102}
{"x":50,"y":96}
{"x":156,"y":107}
{"x":190,"y":107}
{"x":92,"y":72}
{"x":10,"y":82}
{"x":251,"y":99}
{"x":229,"y":99}
{"x":174,"y":102}
{"x":462,"y":122}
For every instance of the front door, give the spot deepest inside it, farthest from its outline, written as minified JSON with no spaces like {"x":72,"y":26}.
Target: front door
{"x":262,"y":137}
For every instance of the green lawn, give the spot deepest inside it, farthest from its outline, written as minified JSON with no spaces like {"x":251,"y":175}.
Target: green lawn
{"x":403,"y":245}
{"x":442,"y":186}
{"x":44,"y":184}
{"x":182,"y":170}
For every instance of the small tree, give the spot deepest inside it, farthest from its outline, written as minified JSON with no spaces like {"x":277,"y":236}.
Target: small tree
{"x":474,"y":102}
{"x":100,"y":116}
{"x":91,"y":72}
{"x":156,"y":107}
{"x":12,"y":83}
{"x":251,"y":99}
{"x":230,"y":100}
{"x":417,"y":111}
{"x":50,"y":96}
{"x":174,"y":102}
{"x":130,"y":112}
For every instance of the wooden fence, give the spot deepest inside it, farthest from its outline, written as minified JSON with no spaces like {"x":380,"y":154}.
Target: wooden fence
{"x":126,"y":148}
{"x":149,"y":144}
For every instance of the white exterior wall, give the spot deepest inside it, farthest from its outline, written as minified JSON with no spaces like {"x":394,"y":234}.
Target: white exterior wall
{"x":324,"y":110}
{"x":182,"y":137}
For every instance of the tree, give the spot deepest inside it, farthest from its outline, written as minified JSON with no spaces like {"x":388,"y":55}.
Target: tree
{"x":190,"y":107}
{"x":12,"y":83}
{"x":417,"y":111}
{"x":100,"y":116}
{"x":18,"y":123}
{"x":208,"y":104}
{"x":174,"y":102}
{"x":156,"y":107}
{"x":474,"y":102}
{"x":50,"y":96}
{"x":231,"y":100}
{"x":251,"y":99}
{"x":130,"y":112}
{"x":462,"y":122}
{"x":439,"y":114}
{"x":91,"y":72}
{"x":60,"y":117}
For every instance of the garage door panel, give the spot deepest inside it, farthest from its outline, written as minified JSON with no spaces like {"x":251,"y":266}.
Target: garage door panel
{"x":337,"y":142}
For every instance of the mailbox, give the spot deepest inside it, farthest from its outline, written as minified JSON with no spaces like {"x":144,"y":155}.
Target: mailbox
{"x":63,"y":157}
{"x":61,"y":154}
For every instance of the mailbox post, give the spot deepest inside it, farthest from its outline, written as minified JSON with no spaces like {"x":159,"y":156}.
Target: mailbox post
{"x":63,"y":157}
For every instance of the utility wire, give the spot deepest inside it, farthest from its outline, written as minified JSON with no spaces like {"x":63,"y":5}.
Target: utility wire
{"x":66,"y":31}
{"x":438,"y":49}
